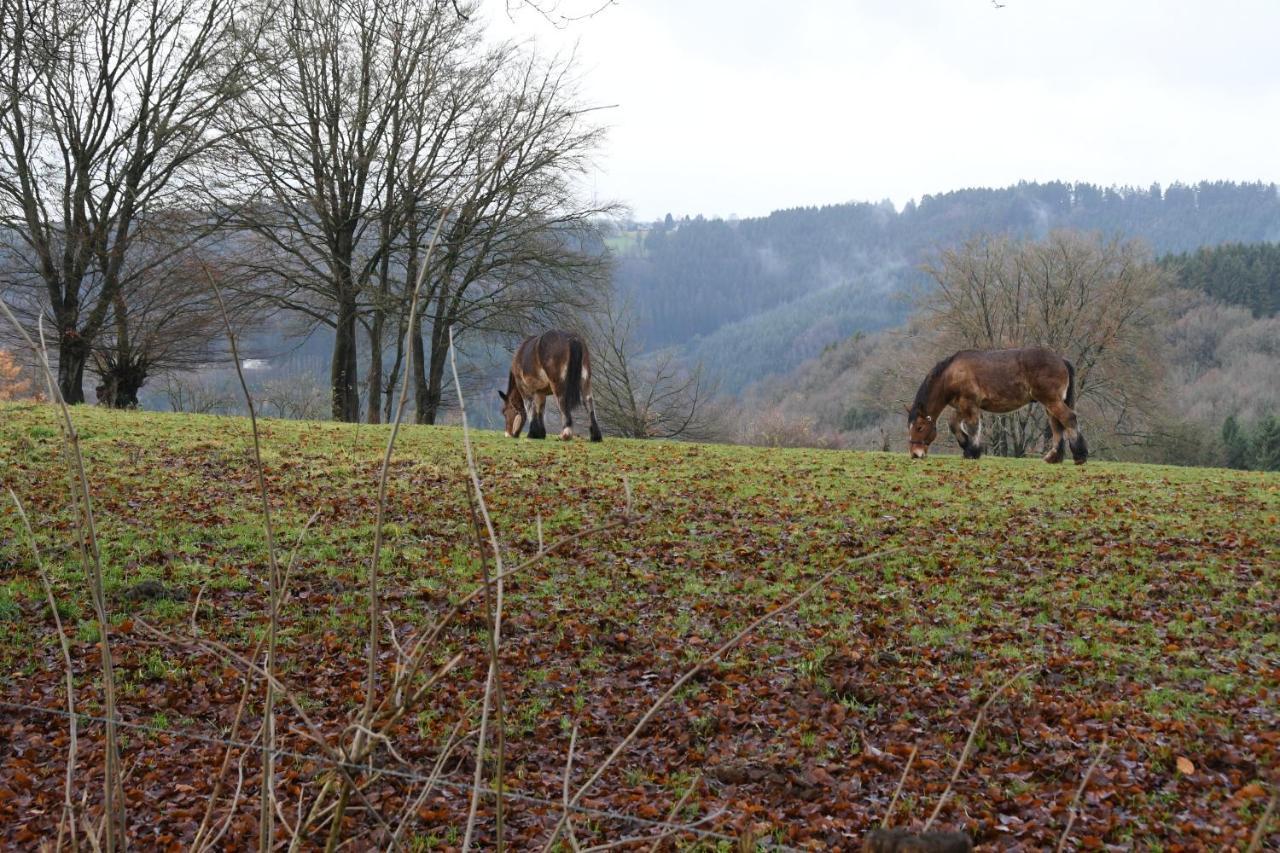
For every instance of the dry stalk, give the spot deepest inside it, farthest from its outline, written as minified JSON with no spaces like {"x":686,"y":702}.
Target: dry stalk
{"x":888,"y":815}
{"x":568,"y":772}
{"x":412,"y":806}
{"x":113,"y":789}
{"x":395,"y":705}
{"x":492,"y":684}
{"x":702,"y":664}
{"x":198,"y":843}
{"x":1255,"y":843}
{"x":968,"y":744}
{"x":675,"y":810}
{"x":341,"y":763}
{"x":375,"y":605}
{"x":266,"y":811}
{"x":68,"y":819}
{"x":1075,"y":801}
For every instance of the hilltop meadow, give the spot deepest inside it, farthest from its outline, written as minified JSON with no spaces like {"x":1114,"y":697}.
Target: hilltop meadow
{"x":1129,"y":612}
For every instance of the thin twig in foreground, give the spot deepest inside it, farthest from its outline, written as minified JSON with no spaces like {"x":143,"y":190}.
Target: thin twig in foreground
{"x":266,"y":810}
{"x":365,"y":718}
{"x":1075,"y":801}
{"x":1255,"y":843}
{"x":568,"y":772}
{"x":968,"y":744}
{"x":113,"y":823}
{"x":884,"y":824}
{"x":495,"y":641}
{"x":702,"y":664}
{"x":199,"y":842}
{"x":675,"y":810}
{"x":69,"y":808}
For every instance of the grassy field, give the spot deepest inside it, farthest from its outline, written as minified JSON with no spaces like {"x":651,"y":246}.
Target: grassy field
{"x":1144,"y":601}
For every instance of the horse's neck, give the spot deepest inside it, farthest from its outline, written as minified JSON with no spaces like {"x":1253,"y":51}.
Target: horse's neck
{"x":937,"y":399}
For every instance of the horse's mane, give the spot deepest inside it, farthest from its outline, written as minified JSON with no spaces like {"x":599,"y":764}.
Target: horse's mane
{"x":922,"y":394}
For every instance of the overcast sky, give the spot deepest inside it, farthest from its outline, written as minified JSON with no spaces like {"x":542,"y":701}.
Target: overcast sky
{"x":746,"y":106}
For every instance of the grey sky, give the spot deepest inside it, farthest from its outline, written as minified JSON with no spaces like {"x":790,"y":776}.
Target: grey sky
{"x":746,"y":106}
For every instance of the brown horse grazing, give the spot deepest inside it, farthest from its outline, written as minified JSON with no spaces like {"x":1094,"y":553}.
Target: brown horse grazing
{"x":1000,"y":381}
{"x":554,"y":362}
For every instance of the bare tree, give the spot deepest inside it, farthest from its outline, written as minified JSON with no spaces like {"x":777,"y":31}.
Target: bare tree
{"x":187,"y":392}
{"x":108,"y":108}
{"x":519,"y":247}
{"x":1088,"y":298}
{"x":648,"y":397}
{"x":357,"y":109}
{"x":382,"y":117}
{"x":166,"y":320}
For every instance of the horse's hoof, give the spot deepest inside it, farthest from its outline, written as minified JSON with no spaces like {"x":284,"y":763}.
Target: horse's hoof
{"x":566,"y":434}
{"x":1053,"y":458}
{"x":1080,"y":460}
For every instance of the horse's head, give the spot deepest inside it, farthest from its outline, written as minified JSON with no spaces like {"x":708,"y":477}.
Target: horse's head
{"x":513,"y":412}
{"x":922,"y":429}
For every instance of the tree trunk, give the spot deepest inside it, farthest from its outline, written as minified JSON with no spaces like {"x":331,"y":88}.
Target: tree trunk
{"x":73,"y":352}
{"x":422,"y":413}
{"x":430,"y":402}
{"x":393,"y":377}
{"x":343,"y":371}
{"x":120,"y":386}
{"x":373,"y":407}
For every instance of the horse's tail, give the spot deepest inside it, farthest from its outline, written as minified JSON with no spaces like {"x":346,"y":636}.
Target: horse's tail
{"x":1070,"y":399}
{"x":573,"y":382}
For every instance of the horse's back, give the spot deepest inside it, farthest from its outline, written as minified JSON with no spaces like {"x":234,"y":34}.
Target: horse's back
{"x":1002,"y":380}
{"x":543,"y":359}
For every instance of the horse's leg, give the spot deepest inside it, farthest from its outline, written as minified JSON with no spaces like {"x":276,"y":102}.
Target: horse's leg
{"x":537,"y":429}
{"x":962,"y":438}
{"x":566,"y":415}
{"x":1056,"y":447}
{"x":968,"y":421}
{"x":1074,"y":438}
{"x":589,"y":401}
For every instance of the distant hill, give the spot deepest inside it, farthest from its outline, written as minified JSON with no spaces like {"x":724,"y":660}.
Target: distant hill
{"x":1244,"y":274}
{"x":766,"y":293}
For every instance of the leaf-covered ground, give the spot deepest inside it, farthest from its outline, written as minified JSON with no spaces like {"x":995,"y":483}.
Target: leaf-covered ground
{"x":1145,"y":600}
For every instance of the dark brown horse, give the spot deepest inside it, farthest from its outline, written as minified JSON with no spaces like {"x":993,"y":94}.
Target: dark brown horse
{"x":1000,"y":381}
{"x":557,"y":363}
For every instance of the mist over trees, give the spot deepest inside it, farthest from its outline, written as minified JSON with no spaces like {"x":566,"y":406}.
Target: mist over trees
{"x":826,"y":272}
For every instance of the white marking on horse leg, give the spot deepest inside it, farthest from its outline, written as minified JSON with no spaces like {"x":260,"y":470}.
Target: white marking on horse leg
{"x":566,"y":434}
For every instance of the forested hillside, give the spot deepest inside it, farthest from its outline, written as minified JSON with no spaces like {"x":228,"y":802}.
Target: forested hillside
{"x":818,"y":274}
{"x":1241,"y":274}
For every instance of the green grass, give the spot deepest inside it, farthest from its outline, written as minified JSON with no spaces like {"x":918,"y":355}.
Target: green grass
{"x":1145,"y":597}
